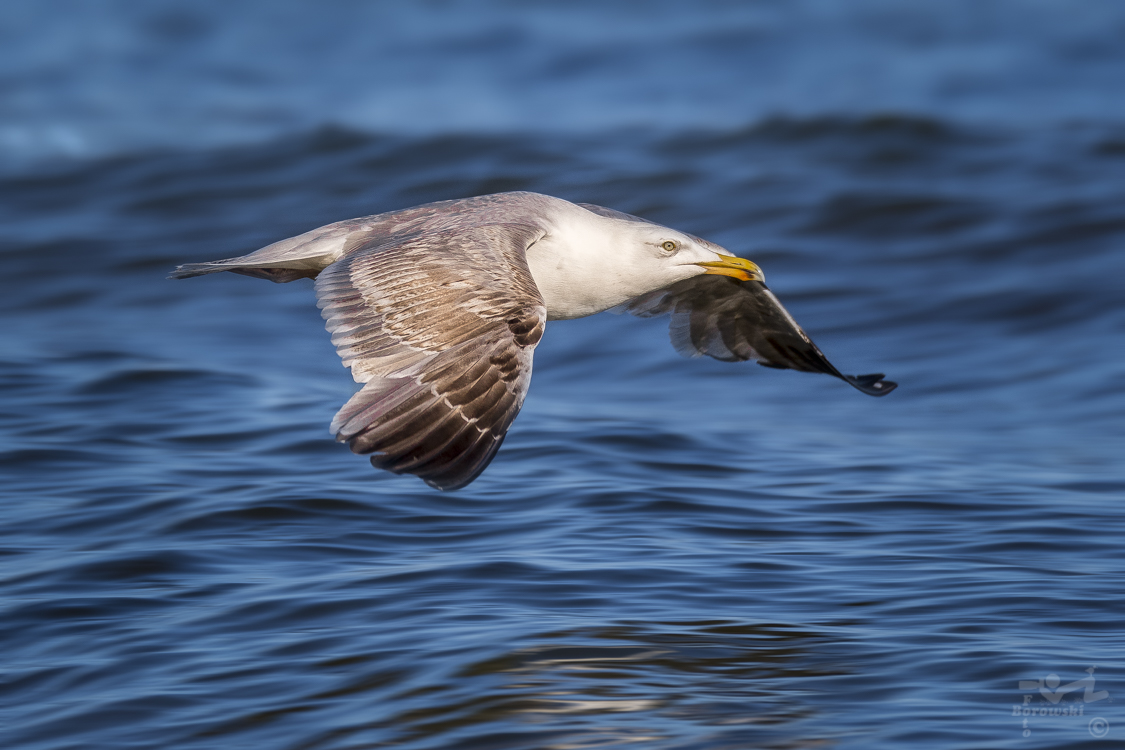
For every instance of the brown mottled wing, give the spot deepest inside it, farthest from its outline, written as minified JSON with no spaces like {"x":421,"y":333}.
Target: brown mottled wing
{"x":736,"y":321}
{"x":441,"y":328}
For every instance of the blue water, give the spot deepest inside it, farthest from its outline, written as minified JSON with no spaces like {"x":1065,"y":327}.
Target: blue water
{"x":666,"y":553}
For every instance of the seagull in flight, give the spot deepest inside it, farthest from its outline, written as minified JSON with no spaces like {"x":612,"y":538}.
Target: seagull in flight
{"x":437,"y":310}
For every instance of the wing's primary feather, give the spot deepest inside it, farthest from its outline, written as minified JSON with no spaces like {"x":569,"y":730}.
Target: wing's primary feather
{"x":441,"y":328}
{"x":734,"y":321}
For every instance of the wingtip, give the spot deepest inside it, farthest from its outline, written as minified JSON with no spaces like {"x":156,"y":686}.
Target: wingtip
{"x":872,"y":385}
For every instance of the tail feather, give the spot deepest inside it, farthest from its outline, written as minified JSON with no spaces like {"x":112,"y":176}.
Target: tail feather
{"x":277,"y":275}
{"x":300,"y":257}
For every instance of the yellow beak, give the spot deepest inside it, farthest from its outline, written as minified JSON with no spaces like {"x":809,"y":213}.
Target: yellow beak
{"x":739,"y":268}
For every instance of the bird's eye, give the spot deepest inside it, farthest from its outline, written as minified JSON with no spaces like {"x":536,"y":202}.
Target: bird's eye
{"x":669,"y":245}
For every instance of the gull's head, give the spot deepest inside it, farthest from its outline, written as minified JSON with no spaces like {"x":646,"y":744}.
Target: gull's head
{"x":596,"y":258}
{"x":661,"y":256}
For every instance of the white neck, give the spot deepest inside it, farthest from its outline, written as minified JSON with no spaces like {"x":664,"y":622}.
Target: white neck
{"x":584,"y":264}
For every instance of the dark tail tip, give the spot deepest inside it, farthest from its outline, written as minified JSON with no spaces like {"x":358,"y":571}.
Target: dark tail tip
{"x":872,"y":385}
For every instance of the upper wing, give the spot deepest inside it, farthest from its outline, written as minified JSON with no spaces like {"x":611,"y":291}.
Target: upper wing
{"x":735,"y":321}
{"x":306,"y":255}
{"x":441,"y":328}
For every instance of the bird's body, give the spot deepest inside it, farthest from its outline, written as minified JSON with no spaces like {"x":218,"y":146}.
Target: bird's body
{"x":437,"y":310}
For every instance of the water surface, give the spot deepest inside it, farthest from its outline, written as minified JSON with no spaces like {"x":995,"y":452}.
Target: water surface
{"x":666,"y":553}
